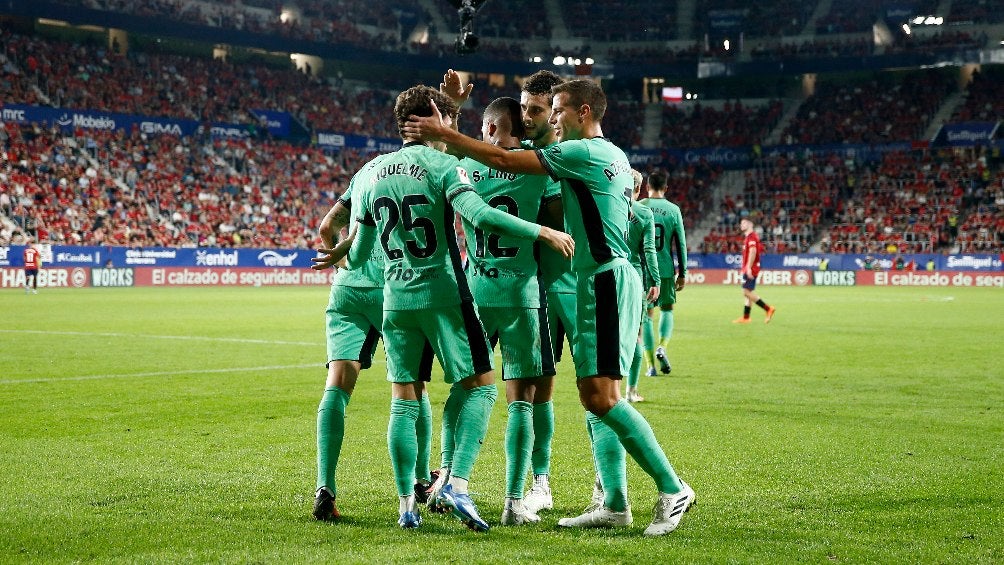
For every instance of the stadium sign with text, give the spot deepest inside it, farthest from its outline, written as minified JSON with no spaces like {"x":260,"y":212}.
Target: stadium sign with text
{"x":966,"y":134}
{"x":216,"y":257}
{"x":339,"y":140}
{"x":66,"y":118}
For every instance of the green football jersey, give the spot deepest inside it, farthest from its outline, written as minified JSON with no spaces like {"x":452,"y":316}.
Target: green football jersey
{"x":406,"y":206}
{"x":501,"y":270}
{"x":668,"y":229}
{"x":596,"y":185}
{"x":360,"y":271}
{"x":555,"y":271}
{"x":641,"y":240}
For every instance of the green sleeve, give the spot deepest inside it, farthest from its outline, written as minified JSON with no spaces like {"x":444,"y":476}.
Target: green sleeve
{"x":482,"y":216}
{"x":651,"y":259}
{"x":362,"y":246}
{"x":680,"y":239}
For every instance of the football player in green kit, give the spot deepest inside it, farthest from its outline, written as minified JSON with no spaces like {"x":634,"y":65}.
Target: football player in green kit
{"x":502,"y":273}
{"x":555,"y":274}
{"x":407,"y":206}
{"x":353,"y":319}
{"x":669,"y":233}
{"x":596,"y":187}
{"x":641,"y":242}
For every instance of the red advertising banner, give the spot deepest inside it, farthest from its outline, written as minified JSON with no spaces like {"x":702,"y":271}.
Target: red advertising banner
{"x":732,"y":277}
{"x":80,"y":277}
{"x":930,"y":278}
{"x":183,"y":276}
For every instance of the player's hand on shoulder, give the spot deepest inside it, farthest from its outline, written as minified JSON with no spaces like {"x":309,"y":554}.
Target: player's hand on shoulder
{"x":557,"y":240}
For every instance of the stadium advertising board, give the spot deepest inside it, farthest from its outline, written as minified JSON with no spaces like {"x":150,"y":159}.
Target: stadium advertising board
{"x":99,"y":277}
{"x":339,"y":140}
{"x":850,"y":262}
{"x":216,"y":257}
{"x":174,"y":276}
{"x":801,"y":277}
{"x":70,"y":119}
{"x":48,"y":277}
{"x":741,"y":157}
{"x":966,"y":134}
{"x":276,"y":122}
{"x":92,"y":256}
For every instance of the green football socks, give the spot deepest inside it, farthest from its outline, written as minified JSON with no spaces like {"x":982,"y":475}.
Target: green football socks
{"x":451,"y":411}
{"x":543,"y":432}
{"x":648,"y":338}
{"x":665,"y":327}
{"x":637,"y":438}
{"x":402,"y":443}
{"x":610,"y":461}
{"x":330,"y":432}
{"x":632,"y":380}
{"x":472,"y":426}
{"x":423,"y":429}
{"x":518,"y":444}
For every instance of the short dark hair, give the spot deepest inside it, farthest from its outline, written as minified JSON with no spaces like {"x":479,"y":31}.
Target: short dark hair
{"x":582,"y":91}
{"x":541,"y":82}
{"x":505,"y":111}
{"x":415,"y":101}
{"x":658,"y":179}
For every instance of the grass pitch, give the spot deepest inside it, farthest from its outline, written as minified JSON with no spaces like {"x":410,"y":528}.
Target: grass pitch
{"x":863,"y":425}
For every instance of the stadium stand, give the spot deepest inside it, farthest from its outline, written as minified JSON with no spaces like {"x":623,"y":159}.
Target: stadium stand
{"x":881,"y":109}
{"x":617,"y":20}
{"x":773,"y":18}
{"x":734,"y":125}
{"x":128,"y":188}
{"x":851,"y":16}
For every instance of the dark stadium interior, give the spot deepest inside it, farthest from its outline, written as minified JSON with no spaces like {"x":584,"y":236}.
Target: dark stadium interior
{"x":786,"y":85}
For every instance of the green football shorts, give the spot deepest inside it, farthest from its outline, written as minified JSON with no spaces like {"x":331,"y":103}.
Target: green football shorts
{"x":353,"y":317}
{"x":456,"y":336}
{"x":524,"y":338}
{"x":561,"y":320}
{"x":608,"y":317}
{"x":667,"y":293}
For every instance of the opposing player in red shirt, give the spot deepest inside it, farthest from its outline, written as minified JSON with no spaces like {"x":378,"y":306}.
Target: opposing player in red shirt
{"x":32,"y":263}
{"x":752,"y":250}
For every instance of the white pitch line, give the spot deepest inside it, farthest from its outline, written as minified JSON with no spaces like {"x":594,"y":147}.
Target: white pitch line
{"x":181,"y":337}
{"x":160,"y":374}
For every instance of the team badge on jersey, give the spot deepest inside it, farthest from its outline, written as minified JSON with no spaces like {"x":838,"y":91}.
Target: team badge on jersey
{"x":463,"y":175}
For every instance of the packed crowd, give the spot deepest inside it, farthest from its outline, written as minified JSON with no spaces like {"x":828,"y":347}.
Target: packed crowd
{"x":127,"y":189}
{"x":736,"y":124}
{"x":113,"y":188}
{"x":909,"y":202}
{"x":881,"y":109}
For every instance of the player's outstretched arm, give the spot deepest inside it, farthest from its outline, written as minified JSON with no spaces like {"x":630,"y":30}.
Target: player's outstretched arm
{"x":432,"y":128}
